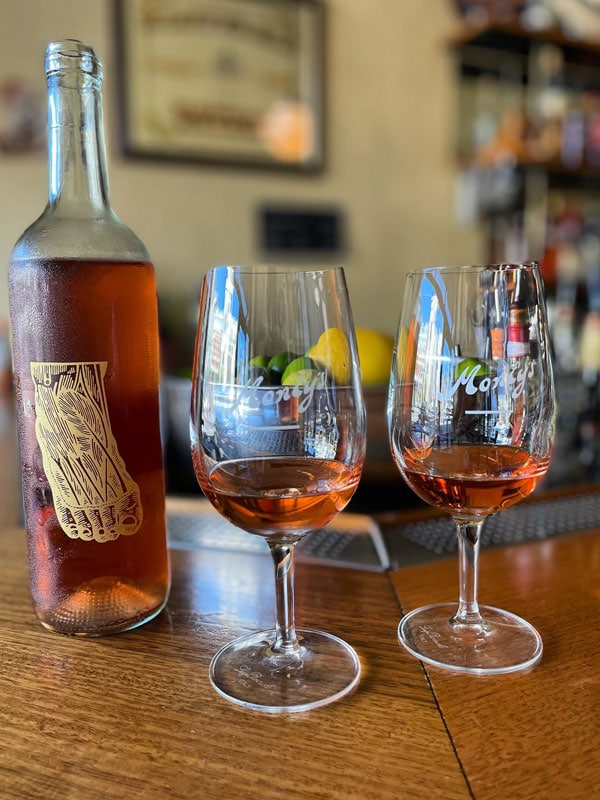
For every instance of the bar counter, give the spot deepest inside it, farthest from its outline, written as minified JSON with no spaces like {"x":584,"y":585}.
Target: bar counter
{"x":134,"y":715}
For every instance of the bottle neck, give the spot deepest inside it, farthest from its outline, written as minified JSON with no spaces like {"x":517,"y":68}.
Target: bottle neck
{"x":76,"y":149}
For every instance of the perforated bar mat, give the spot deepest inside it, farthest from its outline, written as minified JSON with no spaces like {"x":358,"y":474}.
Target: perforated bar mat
{"x":355,"y":540}
{"x":521,"y":523}
{"x":351,"y":540}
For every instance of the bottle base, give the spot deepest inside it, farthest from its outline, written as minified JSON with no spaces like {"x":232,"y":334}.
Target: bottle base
{"x":102,"y":607}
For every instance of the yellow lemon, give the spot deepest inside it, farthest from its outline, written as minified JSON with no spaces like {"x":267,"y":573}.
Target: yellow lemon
{"x":375,"y":352}
{"x":401,"y":353}
{"x":332,"y":350}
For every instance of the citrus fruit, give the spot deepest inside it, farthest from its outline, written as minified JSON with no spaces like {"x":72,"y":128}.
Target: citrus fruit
{"x":375,"y":353}
{"x":299,"y":377}
{"x":300,"y":363}
{"x":255,"y":373}
{"x":469,"y":365}
{"x":332,"y":350}
{"x":260,"y":361}
{"x":278,"y":363}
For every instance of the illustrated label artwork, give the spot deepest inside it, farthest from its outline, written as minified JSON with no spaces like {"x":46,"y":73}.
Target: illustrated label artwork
{"x":95,"y":498}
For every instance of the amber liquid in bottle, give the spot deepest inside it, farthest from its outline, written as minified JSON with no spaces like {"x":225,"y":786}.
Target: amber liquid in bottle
{"x":84,"y":320}
{"x":93,"y":312}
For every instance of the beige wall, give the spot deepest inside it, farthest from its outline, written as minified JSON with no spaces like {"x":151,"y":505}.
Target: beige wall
{"x":390,"y":121}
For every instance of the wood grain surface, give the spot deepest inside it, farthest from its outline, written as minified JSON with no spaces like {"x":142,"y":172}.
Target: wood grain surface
{"x":134,"y":715}
{"x":533,"y":735}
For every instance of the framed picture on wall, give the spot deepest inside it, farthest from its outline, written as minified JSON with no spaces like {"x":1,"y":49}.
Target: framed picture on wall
{"x":224,"y":81}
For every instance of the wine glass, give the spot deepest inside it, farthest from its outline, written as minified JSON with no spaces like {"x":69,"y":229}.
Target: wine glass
{"x":278,"y":443}
{"x":471,"y":417}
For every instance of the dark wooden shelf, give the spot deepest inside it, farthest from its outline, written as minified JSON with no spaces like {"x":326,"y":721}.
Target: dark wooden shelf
{"x":514,"y":37}
{"x":587,"y":173}
{"x":557,"y":169}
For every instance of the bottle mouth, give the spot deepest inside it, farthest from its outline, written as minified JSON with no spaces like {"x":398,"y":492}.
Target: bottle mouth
{"x":68,"y":54}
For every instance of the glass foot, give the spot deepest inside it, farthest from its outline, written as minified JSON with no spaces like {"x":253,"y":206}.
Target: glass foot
{"x":250,"y":673}
{"x":504,"y":643}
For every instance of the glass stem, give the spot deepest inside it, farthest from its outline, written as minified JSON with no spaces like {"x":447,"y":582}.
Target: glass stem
{"x":469,"y":535}
{"x":286,"y":641}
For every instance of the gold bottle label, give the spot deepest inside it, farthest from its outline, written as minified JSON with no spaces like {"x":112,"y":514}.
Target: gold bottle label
{"x":95,"y":498}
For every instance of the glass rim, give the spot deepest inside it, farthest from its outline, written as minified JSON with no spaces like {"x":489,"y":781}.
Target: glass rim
{"x":277,"y":269}
{"x":500,"y":266}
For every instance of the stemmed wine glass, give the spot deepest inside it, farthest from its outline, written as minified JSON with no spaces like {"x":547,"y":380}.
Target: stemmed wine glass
{"x":278,"y":443}
{"x":471,"y":416}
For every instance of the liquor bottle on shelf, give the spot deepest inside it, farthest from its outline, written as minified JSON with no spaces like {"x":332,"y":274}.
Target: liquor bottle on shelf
{"x":572,"y":147}
{"x":592,"y":137}
{"x":589,"y":418}
{"x":549,"y":102}
{"x":84,"y":323}
{"x":589,"y":355}
{"x":519,"y":323}
{"x":568,"y":271}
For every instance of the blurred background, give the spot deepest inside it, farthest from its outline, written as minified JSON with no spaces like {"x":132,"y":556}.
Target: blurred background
{"x":394,"y":135}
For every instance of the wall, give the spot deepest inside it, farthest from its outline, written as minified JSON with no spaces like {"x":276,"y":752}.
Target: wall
{"x":390,"y":121}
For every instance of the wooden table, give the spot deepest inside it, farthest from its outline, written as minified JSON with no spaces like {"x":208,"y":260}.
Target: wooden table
{"x":533,"y":735}
{"x":134,"y":716}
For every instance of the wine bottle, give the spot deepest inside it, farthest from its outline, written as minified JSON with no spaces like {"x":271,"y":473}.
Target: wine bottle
{"x":84,"y":321}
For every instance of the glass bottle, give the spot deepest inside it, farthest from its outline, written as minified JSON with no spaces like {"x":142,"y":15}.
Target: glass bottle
{"x":84,"y":321}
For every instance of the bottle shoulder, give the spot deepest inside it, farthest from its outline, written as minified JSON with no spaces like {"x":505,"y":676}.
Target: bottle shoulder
{"x":56,"y":235}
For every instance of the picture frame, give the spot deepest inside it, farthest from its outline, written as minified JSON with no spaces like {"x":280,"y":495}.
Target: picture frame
{"x":228,"y":82}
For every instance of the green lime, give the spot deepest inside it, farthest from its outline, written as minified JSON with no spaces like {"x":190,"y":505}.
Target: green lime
{"x":278,"y":364}
{"x":299,"y":377}
{"x":258,"y":376}
{"x":470,"y":366}
{"x":302,"y":362}
{"x":260,"y":361}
